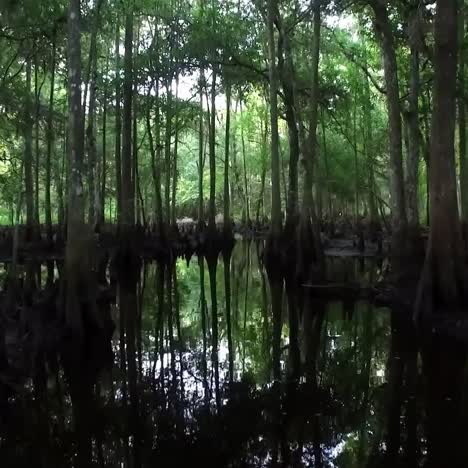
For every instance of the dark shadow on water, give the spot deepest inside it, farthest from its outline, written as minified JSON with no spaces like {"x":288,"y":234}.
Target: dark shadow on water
{"x":218,"y":363}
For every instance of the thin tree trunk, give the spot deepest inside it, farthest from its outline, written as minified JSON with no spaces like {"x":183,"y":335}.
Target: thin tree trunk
{"x":261,"y":203}
{"x":104,"y":153}
{"x":136,"y":189}
{"x":28,"y":156}
{"x":128,"y":205}
{"x":50,"y":139}
{"x":276,"y":221}
{"x":227,"y":201}
{"x":176,"y":149}
{"x":167,"y":150}
{"x":356,"y":165}
{"x":201,"y":158}
{"x":427,"y":150}
{"x":37,"y":96}
{"x":412,"y":161}
{"x":369,"y":155}
{"x":155,"y":161}
{"x":212,"y":154}
{"x":244,"y":164}
{"x":90,"y":129}
{"x":60,"y":178}
{"x":327,"y":166}
{"x":118,"y":125}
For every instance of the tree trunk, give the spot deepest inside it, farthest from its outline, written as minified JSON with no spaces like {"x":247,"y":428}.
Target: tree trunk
{"x":447,"y":249}
{"x":462,"y":119}
{"x":369,"y":154}
{"x":118,"y":125}
{"x":309,"y":228}
{"x":75,"y":256}
{"x":37,"y":96}
{"x":128,"y":204}
{"x":90,"y":129}
{"x":244,"y":164}
{"x":28,"y":156}
{"x":426,"y":101}
{"x":286,"y":68}
{"x":212,"y":154}
{"x":155,"y":161}
{"x":167,"y":150}
{"x":261,"y":204}
{"x":201,"y":156}
{"x":60,"y":175}
{"x":227,"y":202}
{"x":102,"y":210}
{"x":135,"y":175}
{"x":176,"y":149}
{"x":356,"y":164}
{"x":50,"y":139}
{"x":412,"y":161}
{"x":276,"y":221}
{"x":327,"y":170}
{"x":387,"y":44}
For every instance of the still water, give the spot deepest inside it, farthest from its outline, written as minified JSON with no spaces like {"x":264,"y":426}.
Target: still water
{"x":213,"y":366}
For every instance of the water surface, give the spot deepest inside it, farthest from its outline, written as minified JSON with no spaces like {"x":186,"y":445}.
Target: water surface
{"x":213,"y":366}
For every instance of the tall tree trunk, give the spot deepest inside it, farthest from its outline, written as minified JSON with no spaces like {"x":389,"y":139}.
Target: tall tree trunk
{"x":264,"y":150}
{"x":167,"y":150}
{"x":155,"y":160}
{"x":118,"y":125}
{"x":50,"y":139}
{"x":201,"y":153}
{"x":75,"y":256}
{"x":412,"y":161}
{"x":28,"y":156}
{"x":212,"y":154}
{"x":102,"y":210}
{"x":286,"y":69}
{"x":276,"y":221}
{"x":60,"y":175}
{"x":327,"y":169}
{"x":426,"y":101}
{"x":128,"y":204}
{"x":176,"y":149}
{"x":369,"y":154}
{"x":446,"y":242}
{"x":37,"y":96}
{"x":135,"y":174}
{"x":308,"y":230}
{"x":227,"y":200}
{"x":136,"y":189}
{"x":387,"y":43}
{"x":90,"y":129}
{"x":462,"y":118}
{"x":356,"y":164}
{"x":244,"y":164}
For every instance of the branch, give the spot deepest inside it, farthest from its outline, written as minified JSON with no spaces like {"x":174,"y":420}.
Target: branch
{"x":351,"y":58}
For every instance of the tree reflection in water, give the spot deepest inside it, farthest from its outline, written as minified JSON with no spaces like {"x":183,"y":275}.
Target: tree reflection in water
{"x":212,"y":367}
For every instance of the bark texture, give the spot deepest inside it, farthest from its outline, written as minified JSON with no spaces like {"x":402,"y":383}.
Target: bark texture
{"x":447,"y":249}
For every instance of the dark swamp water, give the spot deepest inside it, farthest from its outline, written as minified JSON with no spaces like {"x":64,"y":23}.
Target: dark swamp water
{"x":215,"y":367}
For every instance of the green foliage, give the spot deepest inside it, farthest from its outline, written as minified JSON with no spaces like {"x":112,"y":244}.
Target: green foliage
{"x":179,"y":39}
